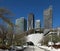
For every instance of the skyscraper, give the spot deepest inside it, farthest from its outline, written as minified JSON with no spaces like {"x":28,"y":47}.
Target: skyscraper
{"x":48,"y":18}
{"x":37,"y":24}
{"x":30,"y":21}
{"x":21,"y":25}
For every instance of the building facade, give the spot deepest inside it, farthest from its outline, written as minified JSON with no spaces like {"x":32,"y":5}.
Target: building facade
{"x":21,"y":24}
{"x":37,"y":24}
{"x":48,"y":18}
{"x":58,"y":31}
{"x":30,"y":21}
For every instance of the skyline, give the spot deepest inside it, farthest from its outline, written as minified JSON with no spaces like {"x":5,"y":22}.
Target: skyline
{"x":21,"y":8}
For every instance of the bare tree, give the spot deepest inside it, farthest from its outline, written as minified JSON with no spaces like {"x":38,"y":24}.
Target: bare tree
{"x":3,"y":15}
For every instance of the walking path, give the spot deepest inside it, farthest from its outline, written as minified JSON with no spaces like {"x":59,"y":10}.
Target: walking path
{"x":34,"y":48}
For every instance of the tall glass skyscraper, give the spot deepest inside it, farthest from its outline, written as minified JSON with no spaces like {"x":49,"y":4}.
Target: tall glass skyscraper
{"x":21,"y":24}
{"x":48,"y":18}
{"x":30,"y":21}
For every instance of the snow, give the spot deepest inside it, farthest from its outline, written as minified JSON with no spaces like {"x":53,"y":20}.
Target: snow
{"x":35,"y":38}
{"x":49,"y":48}
{"x":58,"y":43}
{"x":50,"y":43}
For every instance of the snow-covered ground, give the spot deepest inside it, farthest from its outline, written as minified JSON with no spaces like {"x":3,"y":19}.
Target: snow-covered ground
{"x":49,"y":48}
{"x":36,"y":38}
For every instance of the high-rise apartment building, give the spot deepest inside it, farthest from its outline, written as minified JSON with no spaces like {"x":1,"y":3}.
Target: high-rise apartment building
{"x":21,"y":25}
{"x":30,"y":21}
{"x":37,"y":24}
{"x":58,"y":31}
{"x":48,"y":18}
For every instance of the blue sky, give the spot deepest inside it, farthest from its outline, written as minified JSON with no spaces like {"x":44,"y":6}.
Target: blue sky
{"x":21,"y":8}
